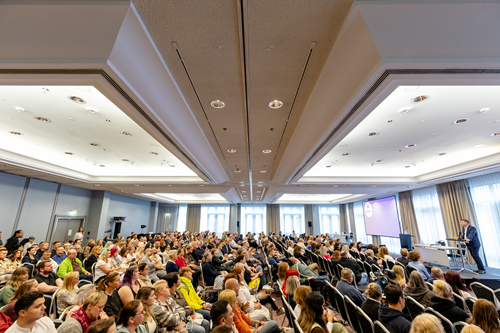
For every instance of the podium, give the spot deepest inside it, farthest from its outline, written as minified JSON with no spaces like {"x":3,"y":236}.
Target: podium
{"x":405,"y":240}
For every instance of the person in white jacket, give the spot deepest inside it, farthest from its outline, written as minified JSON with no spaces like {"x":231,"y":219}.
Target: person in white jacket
{"x":253,"y":309}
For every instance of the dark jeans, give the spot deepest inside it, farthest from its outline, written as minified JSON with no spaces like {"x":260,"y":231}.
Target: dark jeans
{"x":269,"y":300}
{"x":474,"y":252}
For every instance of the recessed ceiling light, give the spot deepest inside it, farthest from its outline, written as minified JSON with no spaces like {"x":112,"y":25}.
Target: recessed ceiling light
{"x":218,"y":47}
{"x":218,"y":104}
{"x":97,"y":185}
{"x":413,"y":145}
{"x":153,"y":153}
{"x":411,"y":186}
{"x":126,"y":133}
{"x":423,"y":121}
{"x":405,"y":110}
{"x":379,"y":161}
{"x":241,"y":182}
{"x":231,"y":151}
{"x":125,"y":160}
{"x":275,"y":104}
{"x":155,"y":145}
{"x":261,"y":182}
{"x":2,"y":99}
{"x":72,"y":119}
{"x":260,"y":185}
{"x":95,"y":144}
{"x":477,"y":146}
{"x":270,"y":47}
{"x":259,"y":191}
{"x":137,"y":185}
{"x":12,"y":119}
{"x":267,"y":151}
{"x":19,"y":109}
{"x":441,"y":154}
{"x":237,"y":170}
{"x":43,"y":120}
{"x":71,"y":133}
{"x":15,"y":133}
{"x":243,"y":191}
{"x":343,"y":146}
{"x":461,"y":121}
{"x":346,"y":154}
{"x":102,"y":165}
{"x":329,"y":165}
{"x":201,"y":185}
{"x":335,"y":186}
{"x":77,"y":99}
{"x":92,"y":110}
{"x":69,"y":153}
{"x":484,"y":110}
{"x":372,"y":134}
{"x":494,"y":134}
{"x":263,"y":171}
{"x":407,"y":166}
{"x":242,"y":185}
{"x":171,"y":165}
{"x":419,"y":99}
{"x":374,"y":185}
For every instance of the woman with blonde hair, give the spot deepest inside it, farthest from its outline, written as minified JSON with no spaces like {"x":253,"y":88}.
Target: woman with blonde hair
{"x":300,"y":297}
{"x":18,"y":277}
{"x":109,"y":286}
{"x":66,"y":296}
{"x":323,"y":251}
{"x":147,"y":297}
{"x":139,"y":253}
{"x":104,"y":266}
{"x":346,"y":249}
{"x":84,"y":316}
{"x":99,"y":243}
{"x":400,"y":276}
{"x":93,"y":257}
{"x":372,"y":303}
{"x":485,"y":316}
{"x":84,"y":292}
{"x":292,"y":283}
{"x":29,"y":285}
{"x":443,"y":303}
{"x":426,"y":323}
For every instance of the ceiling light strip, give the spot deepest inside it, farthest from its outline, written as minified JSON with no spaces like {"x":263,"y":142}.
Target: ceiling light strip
{"x":299,"y":85}
{"x":174,"y":45}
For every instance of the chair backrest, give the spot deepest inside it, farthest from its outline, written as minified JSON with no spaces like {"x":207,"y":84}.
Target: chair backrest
{"x":30,"y":267}
{"x":362,"y":256}
{"x":459,"y":326}
{"x":298,"y":329}
{"x":365,"y":323}
{"x":379,"y":327}
{"x":447,"y":325}
{"x":53,"y":303}
{"x":460,"y":302}
{"x":92,"y":270}
{"x":469,"y":301}
{"x":2,"y":309}
{"x":367,"y":267}
{"x":351,"y":312}
{"x":408,"y":270}
{"x":376,"y":269}
{"x":483,"y":291}
{"x":331,"y":295}
{"x":339,"y":298}
{"x":390,"y":264}
{"x":65,"y":312}
{"x":430,"y":285}
{"x":414,"y":307}
{"x":286,"y":306}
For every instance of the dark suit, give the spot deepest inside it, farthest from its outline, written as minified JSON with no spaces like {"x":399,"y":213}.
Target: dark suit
{"x":473,"y":245}
{"x":403,"y":260}
{"x":350,"y":291}
{"x":371,"y":261}
{"x":353,"y":266}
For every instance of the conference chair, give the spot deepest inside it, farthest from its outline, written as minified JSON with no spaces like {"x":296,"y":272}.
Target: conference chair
{"x":30,"y":267}
{"x":459,"y":326}
{"x":447,"y":325}
{"x":339,"y":298}
{"x":408,"y":270}
{"x":376,"y":269}
{"x":367,"y":267}
{"x":362,"y":256}
{"x":400,"y":264}
{"x":390,"y":264}
{"x":365,"y":322}
{"x":298,"y":329}
{"x":485,"y":292}
{"x":351,"y":313}
{"x":414,"y":307}
{"x":53,"y":304}
{"x":331,"y":296}
{"x":92,"y":270}
{"x":470,"y":303}
{"x":460,"y":302}
{"x":379,"y":327}
{"x":430,"y":285}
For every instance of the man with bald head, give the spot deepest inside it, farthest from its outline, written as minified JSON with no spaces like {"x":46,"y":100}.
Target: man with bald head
{"x":72,"y":263}
{"x":346,"y":287}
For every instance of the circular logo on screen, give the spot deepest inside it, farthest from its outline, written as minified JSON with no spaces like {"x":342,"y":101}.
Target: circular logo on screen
{"x":368,"y":209}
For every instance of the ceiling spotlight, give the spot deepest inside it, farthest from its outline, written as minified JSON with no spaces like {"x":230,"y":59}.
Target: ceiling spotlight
{"x":125,"y":160}
{"x":20,"y":109}
{"x":201,"y":185}
{"x":71,"y":133}
{"x":243,"y":191}
{"x":335,"y":186}
{"x":259,"y":191}
{"x":171,"y":165}
{"x":374,"y":185}
{"x":260,"y":185}
{"x":407,"y":166}
{"x":275,"y":104}
{"x":72,"y":119}
{"x":419,"y":99}
{"x":346,"y":154}
{"x":329,"y":165}
{"x":153,"y":153}
{"x":263,"y":171}
{"x":261,"y":182}
{"x":423,"y":121}
{"x":411,"y":186}
{"x":372,"y":134}
{"x":405,"y":110}
{"x":461,"y":121}
{"x":379,"y":161}
{"x":242,"y":185}
{"x":218,"y":47}
{"x":43,"y":120}
{"x":97,"y":185}
{"x":77,"y":99}
{"x":218,"y":104}
{"x":413,"y":145}
{"x":441,"y":154}
{"x":484,"y":110}
{"x":69,"y":153}
{"x":15,"y":133}
{"x":237,"y":170}
{"x":241,"y":182}
{"x":102,"y":165}
{"x":126,"y":133}
{"x":95,"y":144}
{"x":92,"y":110}
{"x":477,"y":146}
{"x":137,"y":185}
{"x":267,"y":151}
{"x":45,"y":90}
{"x":231,"y":151}
{"x":494,"y":134}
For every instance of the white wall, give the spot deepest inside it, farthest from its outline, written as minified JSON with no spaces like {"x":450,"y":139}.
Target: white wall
{"x":136,"y":211}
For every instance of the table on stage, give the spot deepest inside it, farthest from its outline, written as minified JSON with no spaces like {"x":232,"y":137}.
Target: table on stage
{"x":437,"y":254}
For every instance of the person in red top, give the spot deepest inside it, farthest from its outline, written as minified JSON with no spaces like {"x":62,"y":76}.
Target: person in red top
{"x":243,"y":323}
{"x":180,"y":258}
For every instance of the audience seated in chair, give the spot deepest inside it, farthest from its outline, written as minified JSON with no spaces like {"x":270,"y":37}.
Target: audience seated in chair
{"x":222,"y":315}
{"x":372,"y":303}
{"x":418,"y":289}
{"x":29,"y":310}
{"x":455,"y":281}
{"x":361,"y":277}
{"x":305,"y":272}
{"x":391,"y":315}
{"x":414,"y":256}
{"x":109,"y":285}
{"x":427,"y":323}
{"x":346,"y":287}
{"x":71,"y":263}
{"x":314,"y":318}
{"x":187,"y":289}
{"x":443,"y":303}
{"x":485,"y":316}
{"x":404,"y":257}
{"x":29,"y":285}
{"x":18,"y":277}
{"x":436,"y":274}
{"x":66,"y":296}
{"x":81,"y":319}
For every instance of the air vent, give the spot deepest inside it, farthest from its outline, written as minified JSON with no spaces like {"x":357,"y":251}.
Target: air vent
{"x":43,"y":120}
{"x":372,"y":134}
{"x":413,"y":145}
{"x":461,"y":121}
{"x":77,"y":99}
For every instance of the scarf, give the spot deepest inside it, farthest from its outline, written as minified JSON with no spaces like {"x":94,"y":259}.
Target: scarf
{"x":289,"y":272}
{"x":82,"y":318}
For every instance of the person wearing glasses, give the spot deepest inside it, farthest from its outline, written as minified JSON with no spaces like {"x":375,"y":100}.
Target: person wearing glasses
{"x":83,"y":317}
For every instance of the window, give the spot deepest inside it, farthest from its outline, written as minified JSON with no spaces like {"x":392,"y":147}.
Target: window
{"x":329,"y":219}
{"x":292,"y":218}
{"x":428,"y":213}
{"x":214,"y":218}
{"x":485,"y":193}
{"x":182,"y":218}
{"x":359,"y":224}
{"x":253,"y":219}
{"x":393,"y":244}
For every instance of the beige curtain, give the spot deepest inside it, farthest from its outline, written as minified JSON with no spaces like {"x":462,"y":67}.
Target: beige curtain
{"x":456,"y":204}
{"x":376,"y":240}
{"x":273,"y":218}
{"x":350,"y":208}
{"x":234,"y":217}
{"x":193,"y":217}
{"x":167,"y":217}
{"x":408,"y":217}
{"x":308,"y":217}
{"x":343,"y":218}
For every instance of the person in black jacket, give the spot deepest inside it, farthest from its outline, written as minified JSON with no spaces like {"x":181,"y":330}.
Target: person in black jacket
{"x":13,"y":242}
{"x":391,"y":315}
{"x":404,"y":257}
{"x":370,"y":258}
{"x":443,"y":302}
{"x":361,"y":277}
{"x":372,"y":304}
{"x":197,"y":252}
{"x":209,"y":271}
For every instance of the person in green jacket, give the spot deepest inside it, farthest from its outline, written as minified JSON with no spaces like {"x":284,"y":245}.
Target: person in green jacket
{"x":72,"y":263}
{"x":18,"y":277}
{"x":187,"y":290}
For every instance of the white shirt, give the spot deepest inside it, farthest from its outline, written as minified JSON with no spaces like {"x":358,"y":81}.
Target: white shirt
{"x":464,"y":236}
{"x":42,"y":325}
{"x":78,"y":235}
